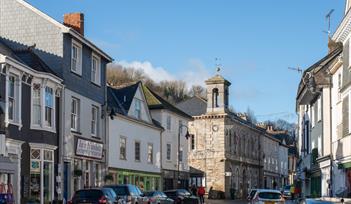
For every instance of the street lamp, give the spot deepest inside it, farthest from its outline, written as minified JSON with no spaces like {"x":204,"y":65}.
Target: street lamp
{"x":187,"y":135}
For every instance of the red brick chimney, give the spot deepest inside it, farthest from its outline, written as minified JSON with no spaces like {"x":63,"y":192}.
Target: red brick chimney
{"x":75,"y":21}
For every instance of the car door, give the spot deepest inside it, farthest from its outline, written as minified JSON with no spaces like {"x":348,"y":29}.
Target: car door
{"x":164,"y":198}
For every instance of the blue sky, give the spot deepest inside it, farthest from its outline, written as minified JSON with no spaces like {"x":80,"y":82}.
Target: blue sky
{"x":256,"y":40}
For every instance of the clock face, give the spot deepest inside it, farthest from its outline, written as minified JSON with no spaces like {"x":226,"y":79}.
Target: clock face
{"x":215,"y":128}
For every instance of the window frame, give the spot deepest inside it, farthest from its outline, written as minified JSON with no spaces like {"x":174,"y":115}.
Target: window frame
{"x":319,"y":109}
{"x":52,"y":108}
{"x":94,"y":119}
{"x":96,"y":79}
{"x":79,"y":60}
{"x":169,"y":122}
{"x":137,"y":108}
{"x":125,"y":148}
{"x":135,"y":151}
{"x":169,"y":153}
{"x":77,"y":114}
{"x":12,"y":117}
{"x":150,"y":160}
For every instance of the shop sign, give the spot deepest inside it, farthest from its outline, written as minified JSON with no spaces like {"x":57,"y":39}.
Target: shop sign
{"x":89,"y":149}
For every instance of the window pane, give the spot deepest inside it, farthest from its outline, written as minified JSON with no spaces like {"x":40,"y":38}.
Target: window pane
{"x":11,"y":86}
{"x":137,"y":151}
{"x":11,"y":108}
{"x":35,"y":154}
{"x":150,"y":153}
{"x":123,"y":148}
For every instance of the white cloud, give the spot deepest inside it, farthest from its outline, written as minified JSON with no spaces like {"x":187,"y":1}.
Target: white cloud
{"x":195,"y":74}
{"x":156,"y":73}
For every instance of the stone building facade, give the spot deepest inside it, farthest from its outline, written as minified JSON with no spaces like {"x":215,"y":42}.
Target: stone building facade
{"x":225,"y":146}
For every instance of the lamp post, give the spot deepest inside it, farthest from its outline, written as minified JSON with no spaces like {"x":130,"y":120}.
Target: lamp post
{"x":186,"y":136}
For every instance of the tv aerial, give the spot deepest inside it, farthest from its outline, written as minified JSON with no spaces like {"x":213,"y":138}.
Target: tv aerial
{"x":328,"y":19}
{"x":297,"y":69}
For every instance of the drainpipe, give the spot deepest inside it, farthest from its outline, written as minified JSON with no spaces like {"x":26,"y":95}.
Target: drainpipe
{"x":331,"y":140}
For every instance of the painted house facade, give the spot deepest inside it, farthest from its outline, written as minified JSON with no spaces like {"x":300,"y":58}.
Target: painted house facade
{"x":82,"y":67}
{"x":134,"y":139}
{"x":30,"y":98}
{"x":175,"y":167}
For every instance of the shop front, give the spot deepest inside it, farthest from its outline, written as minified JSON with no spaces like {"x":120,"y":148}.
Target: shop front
{"x":40,"y":185}
{"x":172,"y":180}
{"x":88,"y":164}
{"x":10,"y":154}
{"x":146,"y":181}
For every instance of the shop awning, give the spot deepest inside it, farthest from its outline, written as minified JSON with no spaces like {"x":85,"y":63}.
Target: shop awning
{"x":345,"y":165}
{"x":7,"y":166}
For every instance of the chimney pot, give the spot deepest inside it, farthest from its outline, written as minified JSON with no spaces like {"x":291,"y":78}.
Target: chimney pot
{"x":75,"y":21}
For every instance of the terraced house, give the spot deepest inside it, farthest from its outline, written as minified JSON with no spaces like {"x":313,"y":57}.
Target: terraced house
{"x":82,"y":68}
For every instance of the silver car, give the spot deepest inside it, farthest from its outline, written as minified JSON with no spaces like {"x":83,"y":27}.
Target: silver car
{"x":267,"y":196}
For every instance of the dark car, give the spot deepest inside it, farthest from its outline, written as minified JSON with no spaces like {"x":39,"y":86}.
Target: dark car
{"x":130,"y":194}
{"x":93,"y":196}
{"x":157,"y":197}
{"x":182,"y":196}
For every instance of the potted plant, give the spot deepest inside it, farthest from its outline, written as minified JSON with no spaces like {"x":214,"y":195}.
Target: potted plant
{"x":77,"y":173}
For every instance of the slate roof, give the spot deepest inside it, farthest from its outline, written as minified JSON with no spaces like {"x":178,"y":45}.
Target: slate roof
{"x":155,"y":101}
{"x":34,"y":61}
{"x":27,"y":57}
{"x":120,"y":99}
{"x":194,"y":106}
{"x":123,"y":96}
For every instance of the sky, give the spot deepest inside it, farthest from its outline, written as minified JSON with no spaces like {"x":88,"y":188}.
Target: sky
{"x":255,"y":40}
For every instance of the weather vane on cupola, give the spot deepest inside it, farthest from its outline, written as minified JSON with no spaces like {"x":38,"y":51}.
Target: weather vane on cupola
{"x":218,"y":65}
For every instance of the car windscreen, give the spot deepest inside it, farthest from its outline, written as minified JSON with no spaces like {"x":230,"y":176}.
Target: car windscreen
{"x":184,"y":192}
{"x":149,"y":194}
{"x":88,"y":194}
{"x":121,"y":190}
{"x":270,"y":195}
{"x":287,"y":188}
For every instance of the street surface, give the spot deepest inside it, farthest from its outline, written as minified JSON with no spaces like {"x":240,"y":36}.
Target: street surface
{"x":233,"y":201}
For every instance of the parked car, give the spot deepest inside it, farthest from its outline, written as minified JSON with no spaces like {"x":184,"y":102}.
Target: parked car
{"x":266,"y":196}
{"x":130,"y":194}
{"x":93,"y":196}
{"x":182,"y":196}
{"x":157,"y":197}
{"x":286,"y":192}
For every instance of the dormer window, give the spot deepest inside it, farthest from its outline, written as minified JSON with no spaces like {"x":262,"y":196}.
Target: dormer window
{"x":76,"y":58}
{"x":137,"y":108}
{"x":95,"y":69}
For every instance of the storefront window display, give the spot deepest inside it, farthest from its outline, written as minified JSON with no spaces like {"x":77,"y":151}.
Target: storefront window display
{"x":145,"y":182}
{"x":42,"y":175}
{"x":6,"y":188}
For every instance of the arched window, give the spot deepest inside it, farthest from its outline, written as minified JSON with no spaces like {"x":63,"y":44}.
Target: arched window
{"x":215,"y":94}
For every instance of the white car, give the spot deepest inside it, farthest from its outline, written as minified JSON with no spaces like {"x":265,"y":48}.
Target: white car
{"x":267,"y":196}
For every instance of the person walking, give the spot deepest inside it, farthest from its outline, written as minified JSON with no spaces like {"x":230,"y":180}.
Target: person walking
{"x":201,"y":193}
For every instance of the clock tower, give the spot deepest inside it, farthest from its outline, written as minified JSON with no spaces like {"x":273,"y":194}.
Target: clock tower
{"x":217,"y":94}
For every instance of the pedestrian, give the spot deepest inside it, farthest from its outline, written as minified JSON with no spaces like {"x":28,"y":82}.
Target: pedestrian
{"x":194,"y":190}
{"x":292,"y":191}
{"x":201,"y":193}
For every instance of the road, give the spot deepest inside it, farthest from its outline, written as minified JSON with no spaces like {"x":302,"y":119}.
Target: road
{"x":232,"y":201}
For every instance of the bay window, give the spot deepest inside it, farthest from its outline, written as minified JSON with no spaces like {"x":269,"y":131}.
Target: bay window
{"x":11,"y":95}
{"x":36,"y":115}
{"x":49,"y":104}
